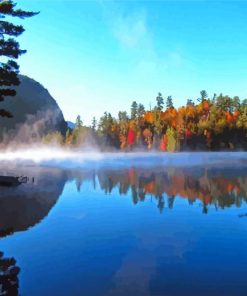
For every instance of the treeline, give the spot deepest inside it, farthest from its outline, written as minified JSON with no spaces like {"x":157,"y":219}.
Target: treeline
{"x":217,"y":123}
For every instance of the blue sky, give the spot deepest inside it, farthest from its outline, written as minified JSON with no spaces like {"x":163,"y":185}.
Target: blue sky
{"x":96,"y":56}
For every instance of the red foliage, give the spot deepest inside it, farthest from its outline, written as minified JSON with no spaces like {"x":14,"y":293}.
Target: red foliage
{"x":188,"y":133}
{"x":131,"y":137}
{"x":163,"y":144}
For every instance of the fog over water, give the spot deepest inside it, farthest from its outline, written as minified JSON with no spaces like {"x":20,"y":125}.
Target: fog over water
{"x":69,"y":158}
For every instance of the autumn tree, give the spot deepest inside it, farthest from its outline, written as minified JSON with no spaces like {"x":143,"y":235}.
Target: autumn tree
{"x":10,"y":49}
{"x":123,"y":128}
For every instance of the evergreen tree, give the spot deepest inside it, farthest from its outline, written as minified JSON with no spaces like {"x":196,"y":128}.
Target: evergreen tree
{"x":236,"y":103}
{"x":140,"y":110}
{"x":190,"y":102}
{"x":78,"y":122}
{"x":94,"y":124}
{"x":169,"y":103}
{"x":122,"y":116}
{"x":203,"y":97}
{"x":10,"y":49}
{"x":133,"y":110}
{"x":214,"y":98}
{"x":160,"y":101}
{"x":244,"y":103}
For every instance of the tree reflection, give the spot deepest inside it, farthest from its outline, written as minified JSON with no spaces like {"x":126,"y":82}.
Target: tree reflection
{"x":9,"y":282}
{"x":221,"y":188}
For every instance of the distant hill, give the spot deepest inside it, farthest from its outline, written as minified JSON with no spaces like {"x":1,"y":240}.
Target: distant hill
{"x":35,"y":112}
{"x":71,"y":124}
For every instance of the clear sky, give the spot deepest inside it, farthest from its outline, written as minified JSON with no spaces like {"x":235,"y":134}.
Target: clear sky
{"x":96,"y":56}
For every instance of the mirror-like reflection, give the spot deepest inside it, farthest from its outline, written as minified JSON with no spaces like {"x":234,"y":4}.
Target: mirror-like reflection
{"x":26,"y":205}
{"x":103,"y":225}
{"x":9,"y":282}
{"x":219,"y":187}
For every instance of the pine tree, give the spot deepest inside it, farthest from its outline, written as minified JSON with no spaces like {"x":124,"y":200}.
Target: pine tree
{"x":78,"y":122}
{"x":10,"y":49}
{"x":203,"y":97}
{"x":160,"y":101}
{"x":140,"y":110}
{"x":94,"y":124}
{"x":190,"y":103}
{"x":133,"y":110}
{"x":169,"y":103}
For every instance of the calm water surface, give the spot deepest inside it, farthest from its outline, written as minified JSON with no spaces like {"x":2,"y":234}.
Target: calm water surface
{"x":125,"y":226}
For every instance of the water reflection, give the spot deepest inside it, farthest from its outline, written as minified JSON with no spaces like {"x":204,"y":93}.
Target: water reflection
{"x":9,"y":282}
{"x":185,"y":254}
{"x":24,"y":206}
{"x":218,"y":187}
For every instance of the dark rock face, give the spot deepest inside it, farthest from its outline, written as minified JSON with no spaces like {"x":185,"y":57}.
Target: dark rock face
{"x":34,"y":112}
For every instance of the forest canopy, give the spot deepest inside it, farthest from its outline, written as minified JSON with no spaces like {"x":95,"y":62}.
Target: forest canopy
{"x":216,"y":123}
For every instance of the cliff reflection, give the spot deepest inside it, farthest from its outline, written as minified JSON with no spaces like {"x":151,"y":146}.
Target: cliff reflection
{"x":219,"y":187}
{"x":23,"y":207}
{"x":26,"y":205}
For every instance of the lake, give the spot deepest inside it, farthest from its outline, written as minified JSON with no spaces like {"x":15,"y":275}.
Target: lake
{"x":125,"y":224}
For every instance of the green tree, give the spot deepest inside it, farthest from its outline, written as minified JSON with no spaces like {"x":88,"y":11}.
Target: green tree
{"x":123,"y":122}
{"x":160,"y":101}
{"x":236,"y":103}
{"x":224,"y":103}
{"x":78,"y":122}
{"x":122,"y":116}
{"x":214,"y":98}
{"x":133,"y":110}
{"x":10,"y":49}
{"x":203,"y":97}
{"x":243,"y":103}
{"x":140,"y":110}
{"x":190,"y":102}
{"x":94,"y":124}
{"x":169,"y":103}
{"x":105,"y":124}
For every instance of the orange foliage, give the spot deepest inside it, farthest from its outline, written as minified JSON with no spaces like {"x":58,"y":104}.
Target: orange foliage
{"x":236,"y":114}
{"x":230,"y":187}
{"x":147,"y":133}
{"x":205,"y":105}
{"x":229,"y":117}
{"x":149,"y":187}
{"x":148,"y":116}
